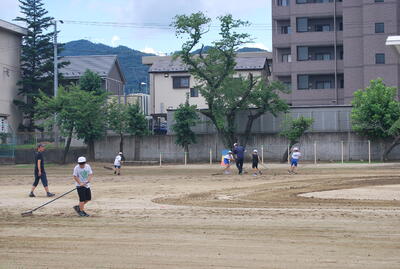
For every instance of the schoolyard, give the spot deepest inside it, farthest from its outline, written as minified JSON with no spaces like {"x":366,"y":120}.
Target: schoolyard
{"x":175,"y":216}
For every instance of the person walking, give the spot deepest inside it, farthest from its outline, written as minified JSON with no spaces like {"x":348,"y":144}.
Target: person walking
{"x":239,"y":153}
{"x":226,"y":162}
{"x":83,"y":175}
{"x":255,"y":161}
{"x":39,"y":172}
{"x":294,"y":160}
{"x":119,"y":159}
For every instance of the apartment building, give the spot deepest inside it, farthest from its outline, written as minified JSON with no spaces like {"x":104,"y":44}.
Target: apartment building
{"x":324,"y":50}
{"x":10,"y":73}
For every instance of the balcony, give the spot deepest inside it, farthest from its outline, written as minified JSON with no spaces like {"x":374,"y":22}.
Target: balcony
{"x":316,"y":9}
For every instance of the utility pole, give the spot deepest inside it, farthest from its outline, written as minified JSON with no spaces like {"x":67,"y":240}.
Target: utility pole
{"x":55,"y":47}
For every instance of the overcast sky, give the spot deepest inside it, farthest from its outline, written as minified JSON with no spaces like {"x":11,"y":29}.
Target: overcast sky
{"x":143,"y":24}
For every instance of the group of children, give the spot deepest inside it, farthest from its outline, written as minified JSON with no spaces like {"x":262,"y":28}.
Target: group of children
{"x":83,"y":174}
{"x":229,"y":158}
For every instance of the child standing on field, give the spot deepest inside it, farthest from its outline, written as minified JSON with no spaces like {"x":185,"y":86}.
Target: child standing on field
{"x":83,"y":175}
{"x":256,"y":160}
{"x":117,"y":163}
{"x":294,"y":160}
{"x":226,"y":162}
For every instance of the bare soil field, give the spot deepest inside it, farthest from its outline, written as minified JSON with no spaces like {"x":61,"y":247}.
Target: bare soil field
{"x":195,"y":217}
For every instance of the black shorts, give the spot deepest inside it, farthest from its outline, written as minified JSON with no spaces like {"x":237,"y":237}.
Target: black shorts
{"x":254,"y":165}
{"x":84,"y":194}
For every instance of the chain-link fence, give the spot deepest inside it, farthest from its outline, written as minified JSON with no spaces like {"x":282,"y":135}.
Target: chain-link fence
{"x":7,"y":145}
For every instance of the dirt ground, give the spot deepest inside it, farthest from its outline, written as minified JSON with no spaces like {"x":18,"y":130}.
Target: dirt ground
{"x":195,"y":217}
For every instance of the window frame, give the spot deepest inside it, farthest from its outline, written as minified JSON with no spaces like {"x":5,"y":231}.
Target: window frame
{"x":379,"y":60}
{"x":298,"y":82}
{"x":297,"y":25}
{"x":194,"y":92}
{"x":379,"y":27}
{"x":180,"y":85}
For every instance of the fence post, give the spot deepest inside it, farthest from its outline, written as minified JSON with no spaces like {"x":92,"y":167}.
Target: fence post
{"x":210,"y":156}
{"x":342,"y":152}
{"x":262,"y":154}
{"x":288,"y":154}
{"x":315,"y":152}
{"x":369,"y":151}
{"x":185,"y":158}
{"x":160,"y":159}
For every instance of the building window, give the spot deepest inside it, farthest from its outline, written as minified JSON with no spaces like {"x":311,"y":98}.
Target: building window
{"x":322,"y":28}
{"x":341,"y":84}
{"x":302,"y":53}
{"x":180,"y":82}
{"x":379,"y":27}
{"x":341,"y":55}
{"x":380,"y":58}
{"x":379,"y":1}
{"x":286,"y":58}
{"x":286,"y":29}
{"x":194,"y":92}
{"x":324,"y":84}
{"x":283,"y":3}
{"x":302,"y":82}
{"x":323,"y":57}
{"x":287,"y":84}
{"x":302,"y":25}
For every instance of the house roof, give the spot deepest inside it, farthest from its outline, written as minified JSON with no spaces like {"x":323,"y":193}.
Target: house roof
{"x":244,"y":61}
{"x":100,"y":64}
{"x":13,"y":28}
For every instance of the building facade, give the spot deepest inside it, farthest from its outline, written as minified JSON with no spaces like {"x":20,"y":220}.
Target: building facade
{"x":10,"y":74}
{"x":325,"y":50}
{"x":170,"y":81}
{"x":106,"y":66}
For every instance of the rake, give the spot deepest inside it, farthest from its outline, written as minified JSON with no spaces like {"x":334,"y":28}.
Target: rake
{"x":30,"y":213}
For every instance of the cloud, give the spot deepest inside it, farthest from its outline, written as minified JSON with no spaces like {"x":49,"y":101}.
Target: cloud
{"x":152,"y":51}
{"x":114,"y":40}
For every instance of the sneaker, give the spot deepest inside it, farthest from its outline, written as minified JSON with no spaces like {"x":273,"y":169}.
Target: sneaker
{"x":119,"y":174}
{"x":260,"y":172}
{"x":49,"y":194}
{"x":32,"y":195}
{"x":76,"y":208}
{"x":115,"y":172}
{"x":255,"y":174}
{"x":85,"y":214}
{"x":82,"y":214}
{"x":290,"y":172}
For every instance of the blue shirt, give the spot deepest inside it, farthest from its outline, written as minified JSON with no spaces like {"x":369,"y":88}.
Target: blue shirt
{"x":239,"y":151}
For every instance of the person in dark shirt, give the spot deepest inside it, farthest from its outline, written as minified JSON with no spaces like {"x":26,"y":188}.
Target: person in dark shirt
{"x":255,"y":161}
{"x":39,"y":172}
{"x":239,"y":152}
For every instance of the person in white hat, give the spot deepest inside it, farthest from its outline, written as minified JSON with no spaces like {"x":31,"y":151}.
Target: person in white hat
{"x":83,"y":175}
{"x":117,"y":163}
{"x":256,"y":160}
{"x":294,"y":160}
{"x":226,"y":162}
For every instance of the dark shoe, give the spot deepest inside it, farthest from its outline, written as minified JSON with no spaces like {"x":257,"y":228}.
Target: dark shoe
{"x":119,"y":174}
{"x":76,"y":208}
{"x":82,"y":214}
{"x":85,"y":214}
{"x":260,"y":172}
{"x":115,"y":172}
{"x":32,"y":195}
{"x":49,"y":194}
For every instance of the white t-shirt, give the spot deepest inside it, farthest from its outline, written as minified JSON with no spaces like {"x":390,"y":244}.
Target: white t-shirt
{"x":296,"y":155}
{"x":117,"y":160}
{"x":82,"y":174}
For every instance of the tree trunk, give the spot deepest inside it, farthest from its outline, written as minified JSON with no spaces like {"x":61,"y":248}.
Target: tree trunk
{"x":394,"y":143}
{"x":121,"y":142}
{"x":187,"y":152}
{"x":67,"y":146}
{"x":91,"y":156}
{"x":285,"y":154}
{"x":137,"y":148}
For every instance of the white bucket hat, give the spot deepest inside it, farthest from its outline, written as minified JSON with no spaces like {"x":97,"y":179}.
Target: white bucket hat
{"x":81,"y":160}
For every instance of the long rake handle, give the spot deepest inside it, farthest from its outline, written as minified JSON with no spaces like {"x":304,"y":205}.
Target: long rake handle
{"x":52,"y":200}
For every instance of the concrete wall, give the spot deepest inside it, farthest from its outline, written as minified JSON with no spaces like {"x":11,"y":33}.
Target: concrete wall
{"x":328,"y":148}
{"x":23,"y":156}
{"x":10,"y":53}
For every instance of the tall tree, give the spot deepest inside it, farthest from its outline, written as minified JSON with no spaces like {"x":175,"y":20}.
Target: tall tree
{"x":117,"y":118}
{"x":185,"y":118}
{"x":137,"y":126}
{"x":90,"y":81}
{"x":375,"y":114}
{"x":36,"y":59}
{"x":225,"y":93}
{"x":293,"y":130}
